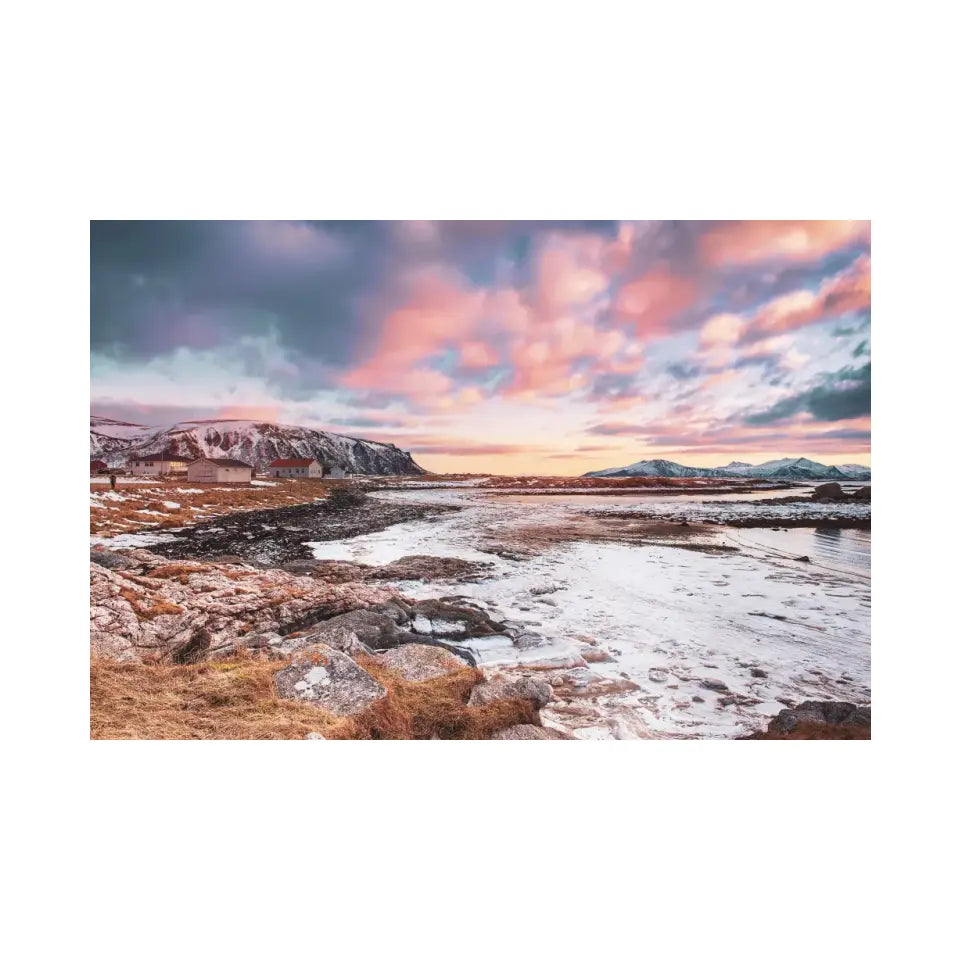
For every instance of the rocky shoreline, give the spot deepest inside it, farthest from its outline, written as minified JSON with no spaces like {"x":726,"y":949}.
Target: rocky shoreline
{"x":279,"y":535}
{"x":338,"y":639}
{"x":336,"y":649}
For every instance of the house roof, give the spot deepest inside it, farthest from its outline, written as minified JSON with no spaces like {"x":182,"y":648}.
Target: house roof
{"x":222,"y":462}
{"x":92,"y":462}
{"x":158,"y":457}
{"x":294,"y":462}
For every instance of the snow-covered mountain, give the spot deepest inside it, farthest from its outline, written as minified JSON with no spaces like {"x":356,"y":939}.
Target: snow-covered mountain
{"x":793,"y":468}
{"x":252,"y":441}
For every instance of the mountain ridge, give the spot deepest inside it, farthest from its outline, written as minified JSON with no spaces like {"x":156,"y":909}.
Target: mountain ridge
{"x":256,"y":442}
{"x":794,"y":468}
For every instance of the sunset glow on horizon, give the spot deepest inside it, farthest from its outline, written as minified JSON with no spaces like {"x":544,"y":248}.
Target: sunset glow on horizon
{"x":511,"y":347}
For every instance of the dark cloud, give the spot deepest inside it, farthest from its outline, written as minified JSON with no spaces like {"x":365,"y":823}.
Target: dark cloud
{"x":684,"y":371}
{"x":613,"y":386}
{"x":613,"y":429}
{"x":159,"y":285}
{"x":156,"y":286}
{"x":840,"y":396}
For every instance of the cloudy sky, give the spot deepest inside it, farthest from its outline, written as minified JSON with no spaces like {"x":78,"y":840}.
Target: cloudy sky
{"x":516,"y":347}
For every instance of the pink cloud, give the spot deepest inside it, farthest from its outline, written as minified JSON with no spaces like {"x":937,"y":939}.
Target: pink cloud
{"x":477,"y":355}
{"x":651,"y":302}
{"x":753,"y":241}
{"x":846,"y":292}
{"x":722,"y":329}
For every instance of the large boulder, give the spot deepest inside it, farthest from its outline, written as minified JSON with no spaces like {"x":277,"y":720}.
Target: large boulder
{"x":375,"y":628}
{"x":501,"y":686}
{"x":527,"y":731}
{"x":418,"y":661}
{"x":341,"y":638}
{"x":828,"y":491}
{"x":420,"y":567}
{"x":862,"y":494}
{"x":329,"y":680}
{"x":452,"y":620}
{"x":827,"y":712}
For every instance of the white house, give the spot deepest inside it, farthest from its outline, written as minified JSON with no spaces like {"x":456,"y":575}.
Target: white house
{"x":216,"y":470}
{"x":305,"y":468}
{"x":156,"y":464}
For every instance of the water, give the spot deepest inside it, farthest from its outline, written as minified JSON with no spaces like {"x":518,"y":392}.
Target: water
{"x":846,"y":550}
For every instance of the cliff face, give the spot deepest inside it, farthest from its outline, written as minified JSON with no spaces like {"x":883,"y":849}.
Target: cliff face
{"x":252,"y":441}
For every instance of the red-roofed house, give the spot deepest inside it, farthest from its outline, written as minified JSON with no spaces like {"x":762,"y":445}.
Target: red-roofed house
{"x":98,"y":466}
{"x":303,"y":468}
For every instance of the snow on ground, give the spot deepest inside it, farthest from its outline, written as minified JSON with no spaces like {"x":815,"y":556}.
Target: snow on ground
{"x":124,"y":541}
{"x":671,"y":618}
{"x":138,"y":479}
{"x":262,"y":483}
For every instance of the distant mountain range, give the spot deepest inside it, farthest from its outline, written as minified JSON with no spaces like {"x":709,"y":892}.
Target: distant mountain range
{"x":795,"y":468}
{"x":252,"y":441}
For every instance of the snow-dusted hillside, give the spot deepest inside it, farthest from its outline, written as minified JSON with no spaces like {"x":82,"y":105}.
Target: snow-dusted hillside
{"x":110,"y":438}
{"x":252,"y":441}
{"x":794,"y":468}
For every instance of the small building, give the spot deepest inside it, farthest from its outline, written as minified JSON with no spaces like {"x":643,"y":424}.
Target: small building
{"x":304,"y":468}
{"x":219,"y":470}
{"x":157,"y":464}
{"x":98,"y":466}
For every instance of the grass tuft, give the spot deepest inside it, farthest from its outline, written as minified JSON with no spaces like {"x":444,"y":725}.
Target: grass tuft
{"x":236,"y":700}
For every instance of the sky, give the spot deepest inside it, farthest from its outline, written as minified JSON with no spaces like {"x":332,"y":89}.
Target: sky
{"x":514,"y":347}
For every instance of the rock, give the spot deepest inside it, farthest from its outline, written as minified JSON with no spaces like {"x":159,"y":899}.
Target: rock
{"x":527,"y":731}
{"x":504,"y":687}
{"x":697,"y":699}
{"x":453,"y":620}
{"x":418,"y":661}
{"x":758,"y":673}
{"x":828,"y":491}
{"x":658,"y":675}
{"x":394,"y":611}
{"x":112,"y":560}
{"x":527,"y":641}
{"x":862,"y":494}
{"x":420,"y":567}
{"x":147,"y":617}
{"x":544,"y":588}
{"x":717,"y":685}
{"x":549,"y":601}
{"x":375,"y":629}
{"x":803,"y":559}
{"x":596,"y":656}
{"x":314,"y":736}
{"x":330,"y":680}
{"x":340,"y":638}
{"x":828,"y":712}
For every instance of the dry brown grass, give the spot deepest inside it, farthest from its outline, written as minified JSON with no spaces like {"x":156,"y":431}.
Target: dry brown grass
{"x":230,"y":700}
{"x":177,"y":571}
{"x":236,"y":700}
{"x":110,"y":517}
{"x":158,"y":607}
{"x":430,"y":709}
